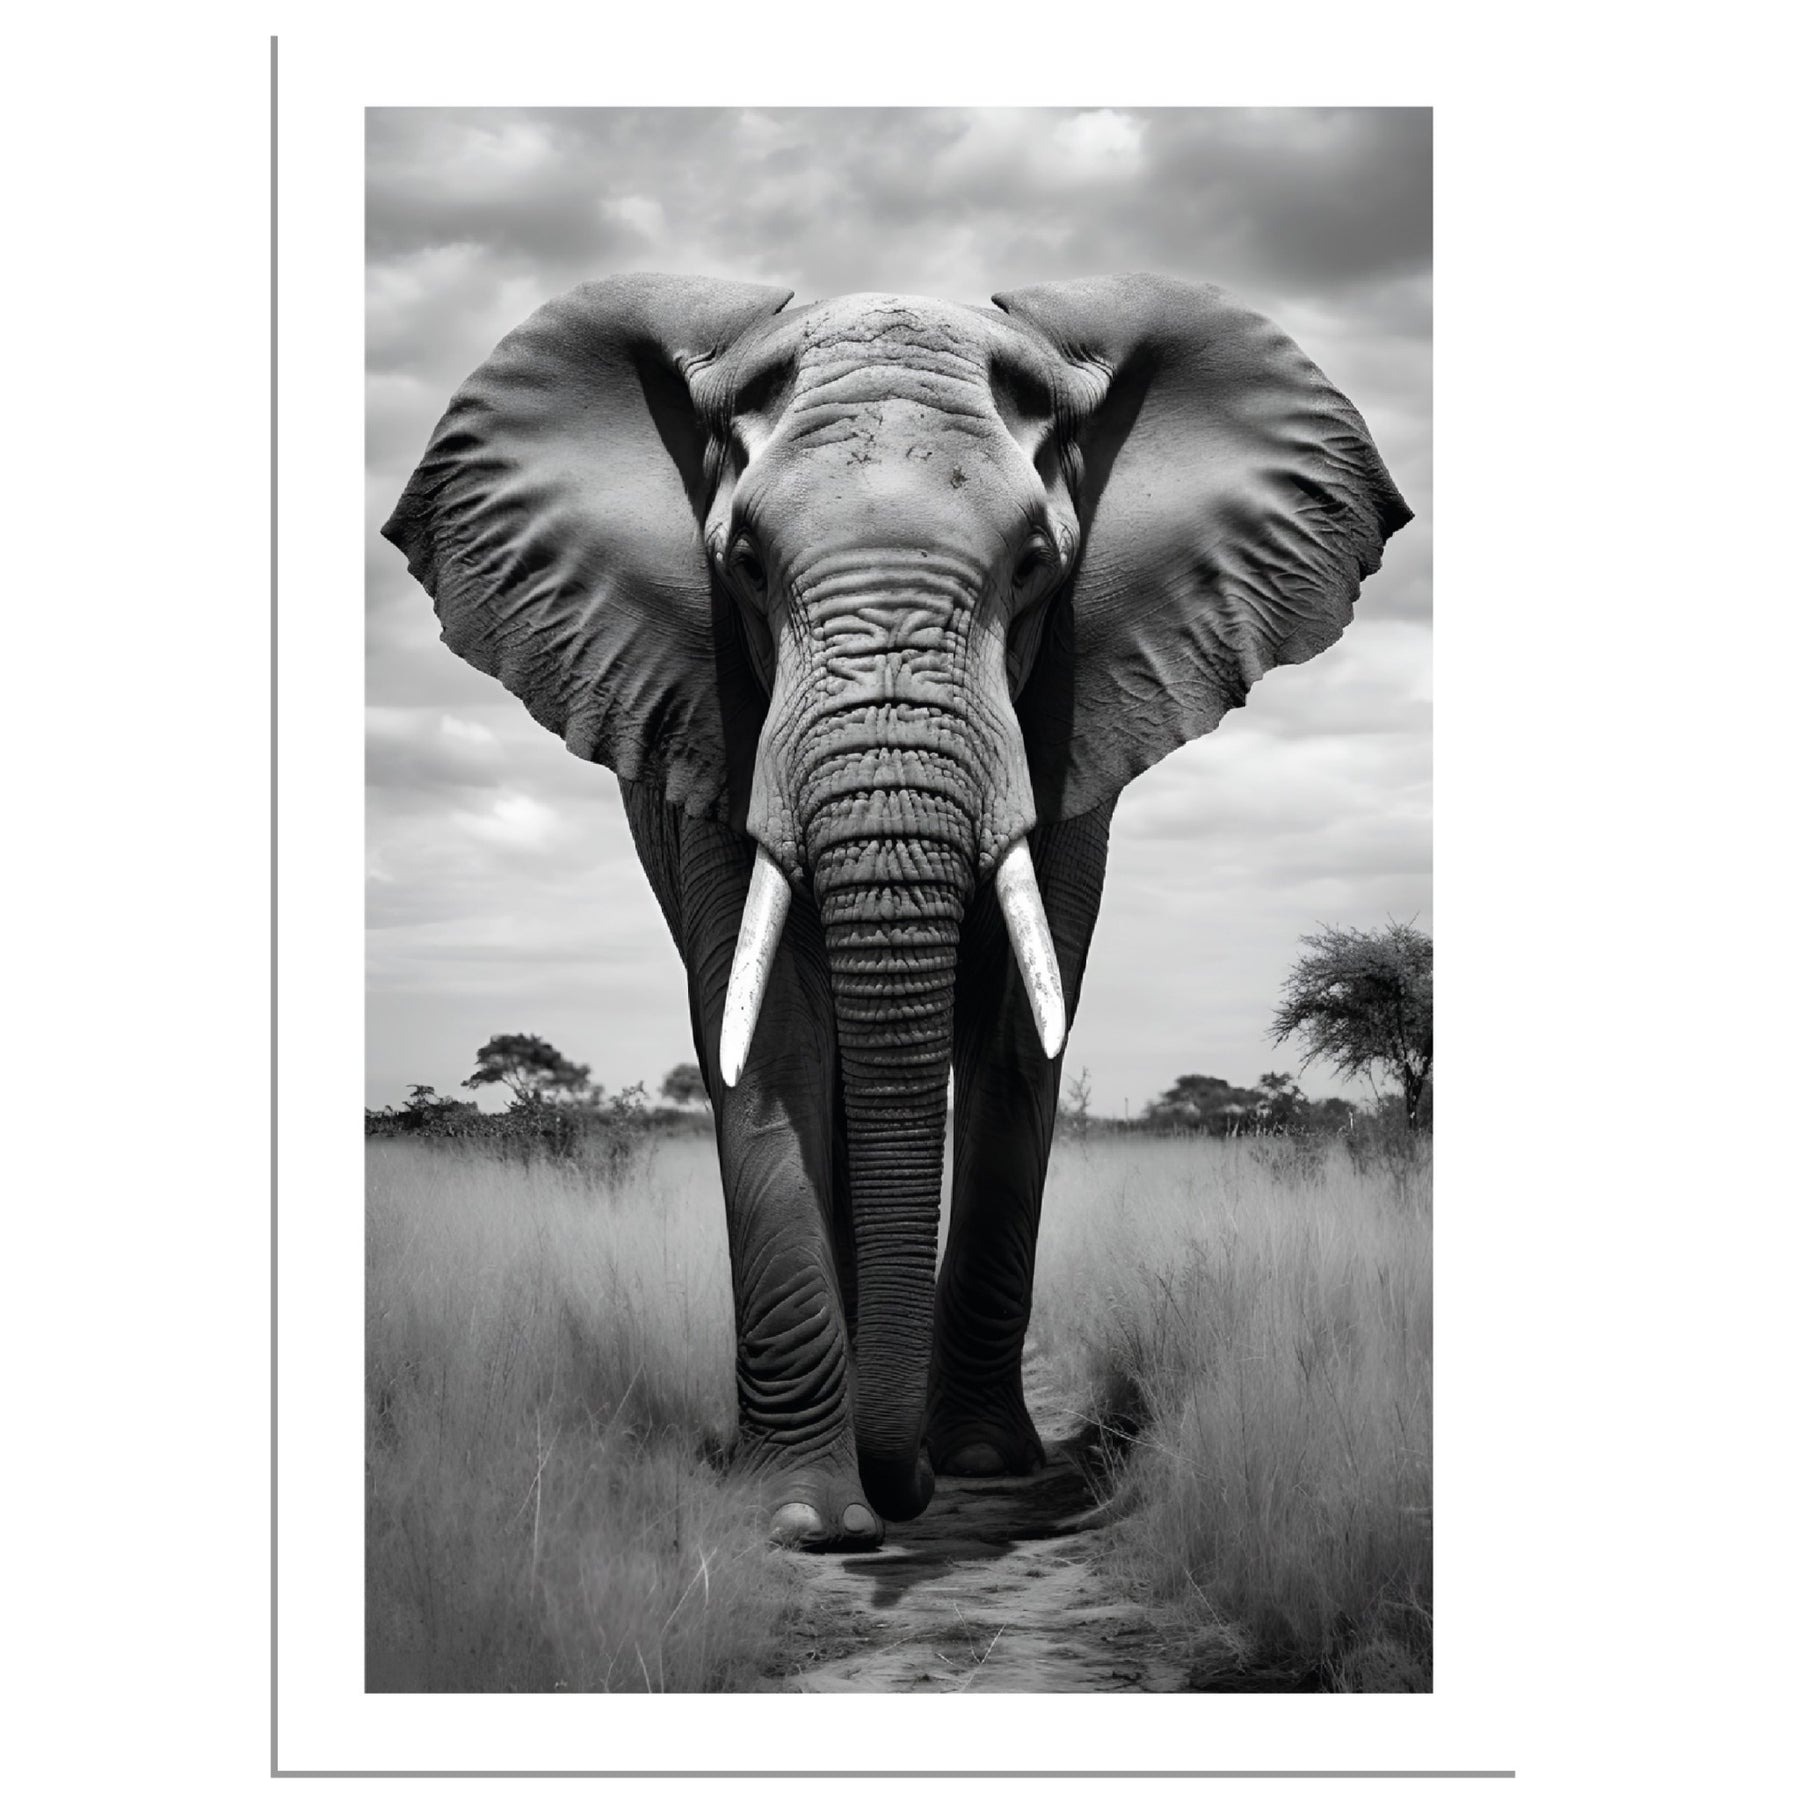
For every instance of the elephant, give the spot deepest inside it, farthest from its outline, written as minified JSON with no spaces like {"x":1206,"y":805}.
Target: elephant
{"x":873,"y":606}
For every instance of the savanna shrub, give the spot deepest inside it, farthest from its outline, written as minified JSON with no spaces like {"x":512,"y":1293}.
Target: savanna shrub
{"x":602,"y":1138}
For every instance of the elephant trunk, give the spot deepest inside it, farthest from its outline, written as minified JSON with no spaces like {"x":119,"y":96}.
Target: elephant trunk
{"x":892,"y":872}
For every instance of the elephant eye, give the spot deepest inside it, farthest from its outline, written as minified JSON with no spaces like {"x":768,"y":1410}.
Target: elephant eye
{"x":1036,"y":559}
{"x":749,"y":566}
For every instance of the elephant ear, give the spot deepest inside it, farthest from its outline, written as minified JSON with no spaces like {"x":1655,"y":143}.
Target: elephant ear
{"x":1231,"y":503}
{"x":555,"y":520}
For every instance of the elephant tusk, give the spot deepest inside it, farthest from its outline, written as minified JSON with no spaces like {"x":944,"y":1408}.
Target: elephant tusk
{"x":1032,"y":945}
{"x":765,"y":912}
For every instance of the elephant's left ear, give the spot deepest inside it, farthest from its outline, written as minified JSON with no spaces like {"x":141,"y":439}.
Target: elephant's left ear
{"x":554,"y":518}
{"x":1231,"y":503}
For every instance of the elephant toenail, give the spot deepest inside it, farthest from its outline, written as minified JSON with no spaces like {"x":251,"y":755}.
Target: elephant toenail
{"x":859,"y":1521}
{"x":976,"y":1459}
{"x":795,"y":1523}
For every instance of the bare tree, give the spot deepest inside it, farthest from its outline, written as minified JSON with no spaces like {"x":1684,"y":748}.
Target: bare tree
{"x":1072,"y":1114}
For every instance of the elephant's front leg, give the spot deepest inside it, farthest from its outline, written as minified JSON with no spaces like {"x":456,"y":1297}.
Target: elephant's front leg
{"x":795,"y":1391}
{"x":1005,"y":1118}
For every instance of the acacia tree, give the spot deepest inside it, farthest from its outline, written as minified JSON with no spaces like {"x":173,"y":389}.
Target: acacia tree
{"x":1361,"y":1000}
{"x":533,"y":1068}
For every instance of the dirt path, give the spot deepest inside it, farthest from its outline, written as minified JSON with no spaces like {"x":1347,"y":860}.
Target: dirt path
{"x":993,"y":1590}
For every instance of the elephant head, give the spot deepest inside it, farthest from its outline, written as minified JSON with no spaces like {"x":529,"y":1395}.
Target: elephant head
{"x":883,"y":583}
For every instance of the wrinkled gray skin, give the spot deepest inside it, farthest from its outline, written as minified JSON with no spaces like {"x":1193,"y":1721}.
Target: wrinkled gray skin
{"x":884,"y":585}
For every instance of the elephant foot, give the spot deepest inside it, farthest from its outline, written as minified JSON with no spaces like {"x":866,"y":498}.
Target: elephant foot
{"x":819,"y":1510}
{"x":981,"y":1458}
{"x":976,"y":1445}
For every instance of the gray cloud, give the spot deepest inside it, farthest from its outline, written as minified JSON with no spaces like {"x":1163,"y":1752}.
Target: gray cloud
{"x":1314,"y":199}
{"x":1285,"y":200}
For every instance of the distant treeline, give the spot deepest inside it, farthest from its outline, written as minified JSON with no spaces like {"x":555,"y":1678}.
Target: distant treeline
{"x":1209,"y":1106}
{"x":601,"y":1133}
{"x":557,"y":1112}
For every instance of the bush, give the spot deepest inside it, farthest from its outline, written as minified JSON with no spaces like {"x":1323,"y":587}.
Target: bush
{"x":602,"y":1138}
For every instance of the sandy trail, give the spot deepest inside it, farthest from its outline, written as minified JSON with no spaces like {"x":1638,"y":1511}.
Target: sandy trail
{"x":993,"y":1590}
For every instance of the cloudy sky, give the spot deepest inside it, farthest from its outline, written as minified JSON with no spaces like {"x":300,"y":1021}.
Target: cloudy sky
{"x":503,"y":891}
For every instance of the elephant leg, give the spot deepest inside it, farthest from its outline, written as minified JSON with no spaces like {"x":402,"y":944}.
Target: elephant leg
{"x":1005,"y":1118}
{"x":774,"y":1130}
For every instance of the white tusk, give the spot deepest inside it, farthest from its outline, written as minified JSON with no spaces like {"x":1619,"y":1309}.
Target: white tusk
{"x":765,"y":912}
{"x":1032,"y":945}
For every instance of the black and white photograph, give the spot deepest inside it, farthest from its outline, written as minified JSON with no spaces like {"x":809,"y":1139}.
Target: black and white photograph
{"x":899,"y":1025}
{"x":738,"y":743}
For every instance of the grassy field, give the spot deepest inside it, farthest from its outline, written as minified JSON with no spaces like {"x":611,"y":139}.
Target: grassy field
{"x":547,"y":1364}
{"x":1252,"y":1320}
{"x":549,"y":1369}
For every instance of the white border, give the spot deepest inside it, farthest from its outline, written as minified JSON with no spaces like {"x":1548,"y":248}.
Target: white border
{"x":326,"y":1719}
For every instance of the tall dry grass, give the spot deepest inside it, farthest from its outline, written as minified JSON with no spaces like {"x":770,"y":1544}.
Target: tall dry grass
{"x":547,"y":1363}
{"x":1253,"y":1320}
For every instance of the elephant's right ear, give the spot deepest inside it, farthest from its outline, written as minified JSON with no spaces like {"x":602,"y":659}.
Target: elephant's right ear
{"x":555,"y":519}
{"x":1231,"y":503}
